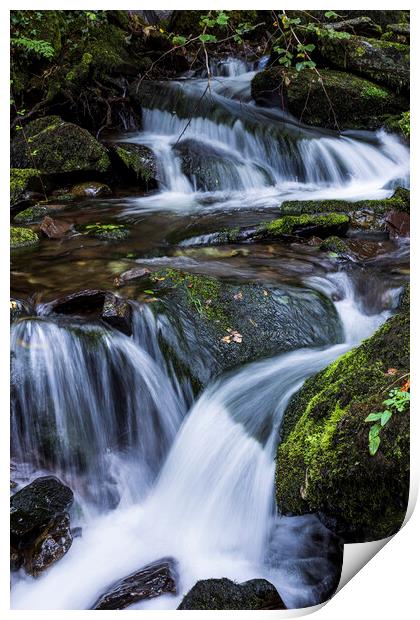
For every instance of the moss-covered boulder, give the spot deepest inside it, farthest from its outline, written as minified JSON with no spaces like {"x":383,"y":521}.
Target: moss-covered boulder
{"x":399,"y":124}
{"x":384,"y":62}
{"x":323,"y":461}
{"x":22,"y":237}
{"x":91,"y":189}
{"x":305,"y":225}
{"x":363,"y":26}
{"x":226,"y":594}
{"x":58,"y":147}
{"x":220,"y":325}
{"x":336,"y":246}
{"x":23,"y":181}
{"x":398,"y":33}
{"x":364,"y":214}
{"x":327,"y":98}
{"x":107,"y":232}
{"x":135,"y":163}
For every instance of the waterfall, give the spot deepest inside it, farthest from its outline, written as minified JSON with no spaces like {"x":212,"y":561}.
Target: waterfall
{"x":212,"y":504}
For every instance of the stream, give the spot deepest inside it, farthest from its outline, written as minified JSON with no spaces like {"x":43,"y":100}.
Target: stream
{"x":157,"y":469}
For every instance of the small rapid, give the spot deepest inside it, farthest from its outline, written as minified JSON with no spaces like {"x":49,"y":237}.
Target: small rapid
{"x":215,"y":148}
{"x":211,"y":506}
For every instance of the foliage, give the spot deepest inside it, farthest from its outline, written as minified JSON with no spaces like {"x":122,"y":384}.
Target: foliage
{"x":34,"y":46}
{"x":397,"y":402}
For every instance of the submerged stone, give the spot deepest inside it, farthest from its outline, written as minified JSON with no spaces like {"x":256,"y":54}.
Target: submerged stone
{"x":91,"y":189}
{"x":153,"y":580}
{"x":226,"y":594}
{"x":54,"y":229}
{"x":323,"y":461}
{"x":107,"y":232}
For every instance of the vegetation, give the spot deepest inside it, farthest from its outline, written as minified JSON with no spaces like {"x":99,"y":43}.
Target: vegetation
{"x":397,"y":402}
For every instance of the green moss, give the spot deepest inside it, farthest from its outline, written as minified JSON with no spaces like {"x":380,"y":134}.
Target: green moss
{"x":287,"y":224}
{"x":20,"y":181}
{"x":32,"y":214}
{"x":203,"y":294}
{"x":400,"y":201}
{"x":323,"y":462}
{"x":108,"y":232}
{"x":334,"y":244}
{"x":22,"y":237}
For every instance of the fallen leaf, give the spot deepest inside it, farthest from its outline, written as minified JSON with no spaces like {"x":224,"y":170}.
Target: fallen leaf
{"x":391,"y":371}
{"x":406,"y":386}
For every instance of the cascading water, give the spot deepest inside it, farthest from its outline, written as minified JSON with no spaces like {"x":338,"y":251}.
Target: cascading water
{"x":155,"y":473}
{"x":212,"y":505}
{"x":217,"y":140}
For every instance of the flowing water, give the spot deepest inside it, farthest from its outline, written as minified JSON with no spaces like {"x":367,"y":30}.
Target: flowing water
{"x":158,"y":470}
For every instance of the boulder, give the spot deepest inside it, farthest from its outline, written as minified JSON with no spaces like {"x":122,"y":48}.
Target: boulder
{"x":305,"y":225}
{"x":363,"y":26}
{"x":218,"y":325}
{"x":91,"y":189}
{"x":137,"y":273}
{"x":54,"y":229}
{"x":398,"y":224}
{"x":327,"y":98}
{"x":226,"y":594}
{"x":50,"y":547}
{"x":58,"y":148}
{"x":135,"y":163}
{"x":399,"y":33}
{"x":22,"y":183}
{"x":22,"y":237}
{"x":381,"y":61}
{"x":95,"y":303}
{"x":323,"y":461}
{"x":152,"y":580}
{"x":34,"y":509}
{"x":107,"y":232}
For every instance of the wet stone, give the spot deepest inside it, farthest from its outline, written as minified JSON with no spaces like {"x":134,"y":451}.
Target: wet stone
{"x":153,"y":580}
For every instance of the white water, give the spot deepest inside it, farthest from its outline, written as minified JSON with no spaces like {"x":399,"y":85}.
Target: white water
{"x":259,"y":157}
{"x":212,"y":505}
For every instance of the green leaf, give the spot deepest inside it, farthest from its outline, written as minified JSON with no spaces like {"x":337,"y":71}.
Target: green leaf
{"x":222,"y":19}
{"x":331,"y":14}
{"x":300,"y":66}
{"x":179,"y":40}
{"x":149,"y":292}
{"x":374,"y":445}
{"x":207,"y":38}
{"x":373,"y":417}
{"x":385,"y":417}
{"x":374,"y":431}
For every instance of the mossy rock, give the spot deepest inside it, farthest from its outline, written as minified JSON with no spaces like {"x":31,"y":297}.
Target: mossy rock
{"x":398,"y":33}
{"x":220,"y":325}
{"x":135,"y":163}
{"x":22,"y":181}
{"x":362,"y":26}
{"x":399,"y":124}
{"x":22,"y":237}
{"x":107,"y":232}
{"x":305,"y":225}
{"x":335,"y":245}
{"x":351,"y":102}
{"x":32,"y":214}
{"x":226,"y":594}
{"x":58,"y":147}
{"x":323,"y":462}
{"x":91,"y":189}
{"x":381,"y":61}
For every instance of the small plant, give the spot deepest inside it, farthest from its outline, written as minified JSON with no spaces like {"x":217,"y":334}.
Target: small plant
{"x":397,"y":402}
{"x":38,"y":47}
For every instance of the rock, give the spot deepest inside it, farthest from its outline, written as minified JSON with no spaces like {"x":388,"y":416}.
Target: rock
{"x":362,"y":26}
{"x":399,"y":33}
{"x":208,"y":167}
{"x":23,"y":181}
{"x":19,"y":308}
{"x":336,"y":246}
{"x":54,"y":229}
{"x":34,"y":509}
{"x":22,"y":237}
{"x":52,"y":545}
{"x":61,"y":148}
{"x":398,"y":224}
{"x":381,"y":61}
{"x":305,"y":225}
{"x":107,"y":232}
{"x":152,"y":580}
{"x":226,"y":594}
{"x":135,"y":163}
{"x":354,"y":102}
{"x":217,"y":325}
{"x":399,"y":124}
{"x":99,"y":304}
{"x":365,"y":497}
{"x":31,"y":214}
{"x":91,"y":189}
{"x":117,"y":313}
{"x":137,"y":273}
